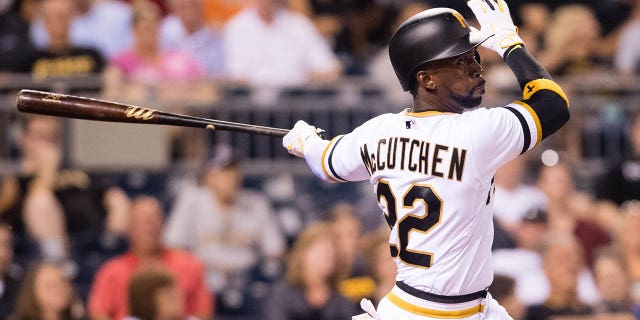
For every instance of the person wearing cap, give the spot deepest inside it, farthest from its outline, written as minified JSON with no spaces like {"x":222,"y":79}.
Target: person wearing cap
{"x":432,"y":164}
{"x":563,"y":264}
{"x":231,"y":229}
{"x":524,"y":263}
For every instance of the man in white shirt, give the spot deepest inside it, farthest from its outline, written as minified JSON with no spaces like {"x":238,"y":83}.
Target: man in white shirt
{"x":267,"y":45}
{"x":524,"y":263}
{"x":230,"y":229}
{"x":513,"y":197}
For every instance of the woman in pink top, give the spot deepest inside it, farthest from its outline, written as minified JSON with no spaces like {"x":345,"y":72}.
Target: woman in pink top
{"x":147,"y":63}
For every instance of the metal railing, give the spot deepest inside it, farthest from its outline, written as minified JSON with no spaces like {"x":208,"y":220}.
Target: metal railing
{"x":601,"y":111}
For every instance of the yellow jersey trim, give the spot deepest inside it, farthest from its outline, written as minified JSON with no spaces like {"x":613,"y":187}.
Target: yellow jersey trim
{"x":534,"y":115}
{"x":324,"y":155}
{"x":534,"y":86}
{"x":432,"y":313}
{"x":427,"y":113}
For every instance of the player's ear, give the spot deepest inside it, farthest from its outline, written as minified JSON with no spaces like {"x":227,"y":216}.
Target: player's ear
{"x":425,"y":80}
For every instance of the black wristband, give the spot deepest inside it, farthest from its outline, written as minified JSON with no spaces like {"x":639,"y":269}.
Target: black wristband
{"x":524,"y":66}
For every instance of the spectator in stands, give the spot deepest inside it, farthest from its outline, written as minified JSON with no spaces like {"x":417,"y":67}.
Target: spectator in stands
{"x":503,"y":290}
{"x":60,"y":58}
{"x":347,"y":227}
{"x":336,"y":20}
{"x":628,"y":239}
{"x":108,"y":297}
{"x":221,"y":219}
{"x":110,"y":19}
{"x":154,"y":295}
{"x":621,"y":182}
{"x":47,"y":293}
{"x":571,"y":210}
{"x":146,"y":62}
{"x":613,"y":282}
{"x":370,"y":23}
{"x":314,"y":270}
{"x":514,"y":198}
{"x":16,"y":49}
{"x":185,"y":29}
{"x":267,"y":45}
{"x":562,"y":260}
{"x":51,"y":205}
{"x":218,"y":12}
{"x":525,"y":264}
{"x":572,"y":40}
{"x":535,"y":16}
{"x":381,"y":266}
{"x":9,"y":280}
{"x":380,"y":69}
{"x":326,"y":15}
{"x":627,"y":58}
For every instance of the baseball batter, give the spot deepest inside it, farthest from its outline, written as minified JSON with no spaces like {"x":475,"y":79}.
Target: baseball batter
{"x":432,"y":165}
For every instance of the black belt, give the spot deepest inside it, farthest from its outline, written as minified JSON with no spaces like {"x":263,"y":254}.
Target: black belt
{"x":438,"y":298}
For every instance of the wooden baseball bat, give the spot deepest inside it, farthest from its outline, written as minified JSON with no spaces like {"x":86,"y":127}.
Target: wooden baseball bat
{"x":60,"y":105}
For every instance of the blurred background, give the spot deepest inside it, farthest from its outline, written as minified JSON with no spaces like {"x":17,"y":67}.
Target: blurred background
{"x":97,"y":219}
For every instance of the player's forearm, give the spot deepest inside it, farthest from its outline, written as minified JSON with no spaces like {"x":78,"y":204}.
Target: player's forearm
{"x":540,"y":94}
{"x":524,"y":66}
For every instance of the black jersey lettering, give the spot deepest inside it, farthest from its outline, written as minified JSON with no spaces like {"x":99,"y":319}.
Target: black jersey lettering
{"x":381,"y":163}
{"x":437,"y":160}
{"x":456,"y":167}
{"x":413,"y":166}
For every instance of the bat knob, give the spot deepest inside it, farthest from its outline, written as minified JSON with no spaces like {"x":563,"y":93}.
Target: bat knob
{"x":321,"y":133}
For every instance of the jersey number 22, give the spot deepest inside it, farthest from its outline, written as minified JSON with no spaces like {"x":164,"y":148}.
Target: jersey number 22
{"x":423,"y":223}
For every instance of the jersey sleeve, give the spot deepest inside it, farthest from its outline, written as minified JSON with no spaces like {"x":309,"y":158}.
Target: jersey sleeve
{"x":499,"y":135}
{"x":338,"y":160}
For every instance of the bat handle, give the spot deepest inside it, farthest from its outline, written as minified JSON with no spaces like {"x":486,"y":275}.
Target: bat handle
{"x":321,"y":133}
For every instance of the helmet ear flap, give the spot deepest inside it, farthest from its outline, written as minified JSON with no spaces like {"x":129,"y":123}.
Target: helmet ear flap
{"x":477,"y":57}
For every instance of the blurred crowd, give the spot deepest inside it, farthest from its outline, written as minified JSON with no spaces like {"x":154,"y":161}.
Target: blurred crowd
{"x":280,"y":43}
{"x":75,"y":246}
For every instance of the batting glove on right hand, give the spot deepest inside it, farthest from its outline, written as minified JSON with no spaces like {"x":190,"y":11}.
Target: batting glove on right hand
{"x":494,"y":18}
{"x":301,"y":133}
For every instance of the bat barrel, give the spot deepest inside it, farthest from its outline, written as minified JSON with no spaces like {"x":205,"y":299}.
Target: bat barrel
{"x":60,"y":105}
{"x":68,"y":106}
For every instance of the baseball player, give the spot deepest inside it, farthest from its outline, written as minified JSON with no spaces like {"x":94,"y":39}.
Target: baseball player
{"x":432,"y":165}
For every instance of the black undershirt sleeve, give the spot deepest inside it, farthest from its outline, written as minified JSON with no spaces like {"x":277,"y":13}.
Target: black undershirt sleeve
{"x":549,"y":104}
{"x":524,"y":66}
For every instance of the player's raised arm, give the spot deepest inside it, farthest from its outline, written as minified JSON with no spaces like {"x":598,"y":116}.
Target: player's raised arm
{"x":542,"y":97}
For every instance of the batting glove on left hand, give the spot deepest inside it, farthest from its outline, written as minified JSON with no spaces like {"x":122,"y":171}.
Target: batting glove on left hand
{"x":494,"y":18}
{"x":301,"y":133}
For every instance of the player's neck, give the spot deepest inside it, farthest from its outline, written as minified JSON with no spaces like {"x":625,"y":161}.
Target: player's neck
{"x":427,"y":102}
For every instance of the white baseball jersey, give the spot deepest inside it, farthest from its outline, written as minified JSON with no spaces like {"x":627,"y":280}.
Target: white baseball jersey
{"x":433,"y":176}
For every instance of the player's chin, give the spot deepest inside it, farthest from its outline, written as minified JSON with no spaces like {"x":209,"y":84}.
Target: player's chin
{"x":473,"y":102}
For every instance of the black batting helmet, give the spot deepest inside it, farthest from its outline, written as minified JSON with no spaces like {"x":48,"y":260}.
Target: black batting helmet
{"x":430,"y":35}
